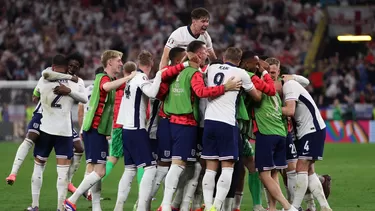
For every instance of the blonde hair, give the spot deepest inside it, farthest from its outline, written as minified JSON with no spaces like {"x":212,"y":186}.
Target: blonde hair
{"x":130,"y":67}
{"x":273,"y":61}
{"x":109,"y":54}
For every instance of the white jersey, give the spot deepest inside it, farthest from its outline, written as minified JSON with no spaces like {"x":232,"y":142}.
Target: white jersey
{"x":223,"y":108}
{"x":152,"y":123}
{"x":132,"y":113}
{"x":307,"y":114}
{"x":56,"y":111}
{"x":88,"y":91}
{"x":182,"y":36}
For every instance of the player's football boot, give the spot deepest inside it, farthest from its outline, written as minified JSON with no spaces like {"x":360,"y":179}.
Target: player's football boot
{"x":213,"y":208}
{"x":11,"y":179}
{"x":236,"y":209}
{"x":87,"y":195}
{"x":69,"y":206}
{"x":326,"y":185}
{"x":32,"y":208}
{"x":259,"y":208}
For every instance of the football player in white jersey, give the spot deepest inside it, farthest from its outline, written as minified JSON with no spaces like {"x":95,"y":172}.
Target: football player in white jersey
{"x":57,"y":101}
{"x":136,"y":142}
{"x":311,"y":132}
{"x":184,"y":35}
{"x":33,"y":130}
{"x":220,"y":136}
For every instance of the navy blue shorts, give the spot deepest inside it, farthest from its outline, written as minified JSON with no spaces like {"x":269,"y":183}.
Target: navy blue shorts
{"x":34,"y":124}
{"x":163,"y":135}
{"x":199,"y":141}
{"x":137,"y":148}
{"x":63,"y":146}
{"x":291,"y":151}
{"x":96,"y":146}
{"x":270,"y":152}
{"x":220,"y":141}
{"x":154,"y":148}
{"x":184,"y":139}
{"x":311,"y":146}
{"x":75,"y":135}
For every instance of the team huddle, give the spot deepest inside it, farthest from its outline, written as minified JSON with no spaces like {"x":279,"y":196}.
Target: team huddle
{"x":187,"y":126}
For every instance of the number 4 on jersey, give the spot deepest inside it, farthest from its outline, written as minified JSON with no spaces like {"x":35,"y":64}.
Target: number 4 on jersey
{"x":55,"y":102}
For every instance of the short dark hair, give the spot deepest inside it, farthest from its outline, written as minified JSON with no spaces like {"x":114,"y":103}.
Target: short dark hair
{"x":199,"y":13}
{"x":78,"y":57}
{"x":248,"y":55}
{"x":174,"y":52}
{"x":99,"y":70}
{"x":194,"y":46}
{"x":59,"y":60}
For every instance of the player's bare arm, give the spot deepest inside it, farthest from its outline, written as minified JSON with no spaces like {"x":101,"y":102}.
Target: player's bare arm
{"x":152,"y":89}
{"x":77,"y":95}
{"x":117,"y":83}
{"x":289,"y":108}
{"x":300,"y":79}
{"x":211,"y":54}
{"x":51,"y":75}
{"x":164,"y":58}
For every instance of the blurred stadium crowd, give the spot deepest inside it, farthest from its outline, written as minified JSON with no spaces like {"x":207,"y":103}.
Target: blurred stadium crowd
{"x":31,"y":32}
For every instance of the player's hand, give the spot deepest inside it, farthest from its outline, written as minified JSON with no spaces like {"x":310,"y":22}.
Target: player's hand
{"x":74,"y":78}
{"x":162,"y":70}
{"x":35,"y":99}
{"x":264,"y":65}
{"x":287,"y":77}
{"x":108,"y":138}
{"x":61,"y":90}
{"x":132,"y":74}
{"x":233,"y":85}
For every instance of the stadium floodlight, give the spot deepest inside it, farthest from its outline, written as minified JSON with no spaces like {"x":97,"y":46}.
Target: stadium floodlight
{"x":354,"y":38}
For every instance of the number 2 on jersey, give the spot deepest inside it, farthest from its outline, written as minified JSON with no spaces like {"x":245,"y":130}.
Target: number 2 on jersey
{"x":218,"y":79}
{"x":55,"y":102}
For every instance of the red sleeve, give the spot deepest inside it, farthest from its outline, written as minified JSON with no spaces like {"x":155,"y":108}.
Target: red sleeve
{"x":121,"y":87}
{"x":105,"y":79}
{"x":266,"y":86}
{"x":163,"y":90}
{"x":200,"y":89}
{"x":172,"y":72}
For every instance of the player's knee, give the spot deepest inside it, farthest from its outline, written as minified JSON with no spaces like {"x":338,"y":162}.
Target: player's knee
{"x":303,"y":165}
{"x":100,"y":170}
{"x":178,"y":162}
{"x":164,"y":164}
{"x":40,"y":161}
{"x":33,"y":137}
{"x":78,"y":148}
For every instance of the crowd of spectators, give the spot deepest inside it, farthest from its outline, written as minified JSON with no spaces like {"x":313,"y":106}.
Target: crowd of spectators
{"x":31,"y":32}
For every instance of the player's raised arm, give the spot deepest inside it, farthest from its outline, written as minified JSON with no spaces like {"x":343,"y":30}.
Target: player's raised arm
{"x":290,"y":97}
{"x":112,"y":85}
{"x":151,"y":89}
{"x":249,"y":87}
{"x":299,"y":78}
{"x":51,"y":75}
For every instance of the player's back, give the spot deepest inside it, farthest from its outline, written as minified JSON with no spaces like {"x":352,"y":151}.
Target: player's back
{"x":222,"y":108}
{"x":132,"y":113}
{"x":307,"y":114}
{"x":56,"y":108}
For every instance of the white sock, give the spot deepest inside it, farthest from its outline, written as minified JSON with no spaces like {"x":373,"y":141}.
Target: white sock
{"x":228,"y":204}
{"x":21,"y":154}
{"x":316,"y":189}
{"x":208,"y":186}
{"x":177,"y":200}
{"x":161,"y":172}
{"x":309,"y":200}
{"x":190,"y":187}
{"x":36,"y":183}
{"x":171,"y":181}
{"x":223,"y":186}
{"x":238,"y":200}
{"x":124,"y":187}
{"x":85,"y":185}
{"x":95,"y":193}
{"x":198,"y":196}
{"x":76,"y":161}
{"x":292,"y":177}
{"x":62,"y":185}
{"x":145,"y":187}
{"x":301,"y":188}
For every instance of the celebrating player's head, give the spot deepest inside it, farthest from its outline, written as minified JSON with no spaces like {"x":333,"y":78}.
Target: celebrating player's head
{"x":75,"y":63}
{"x":233,"y":55}
{"x":145,"y":61}
{"x":200,"y":19}
{"x":59,"y":63}
{"x":274,"y":67}
{"x":129,"y":67}
{"x":249,"y":61}
{"x":199,"y":48}
{"x":176,"y":55}
{"x":111,"y":61}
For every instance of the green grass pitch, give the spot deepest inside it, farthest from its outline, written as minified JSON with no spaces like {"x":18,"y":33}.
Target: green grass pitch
{"x":351,"y":166}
